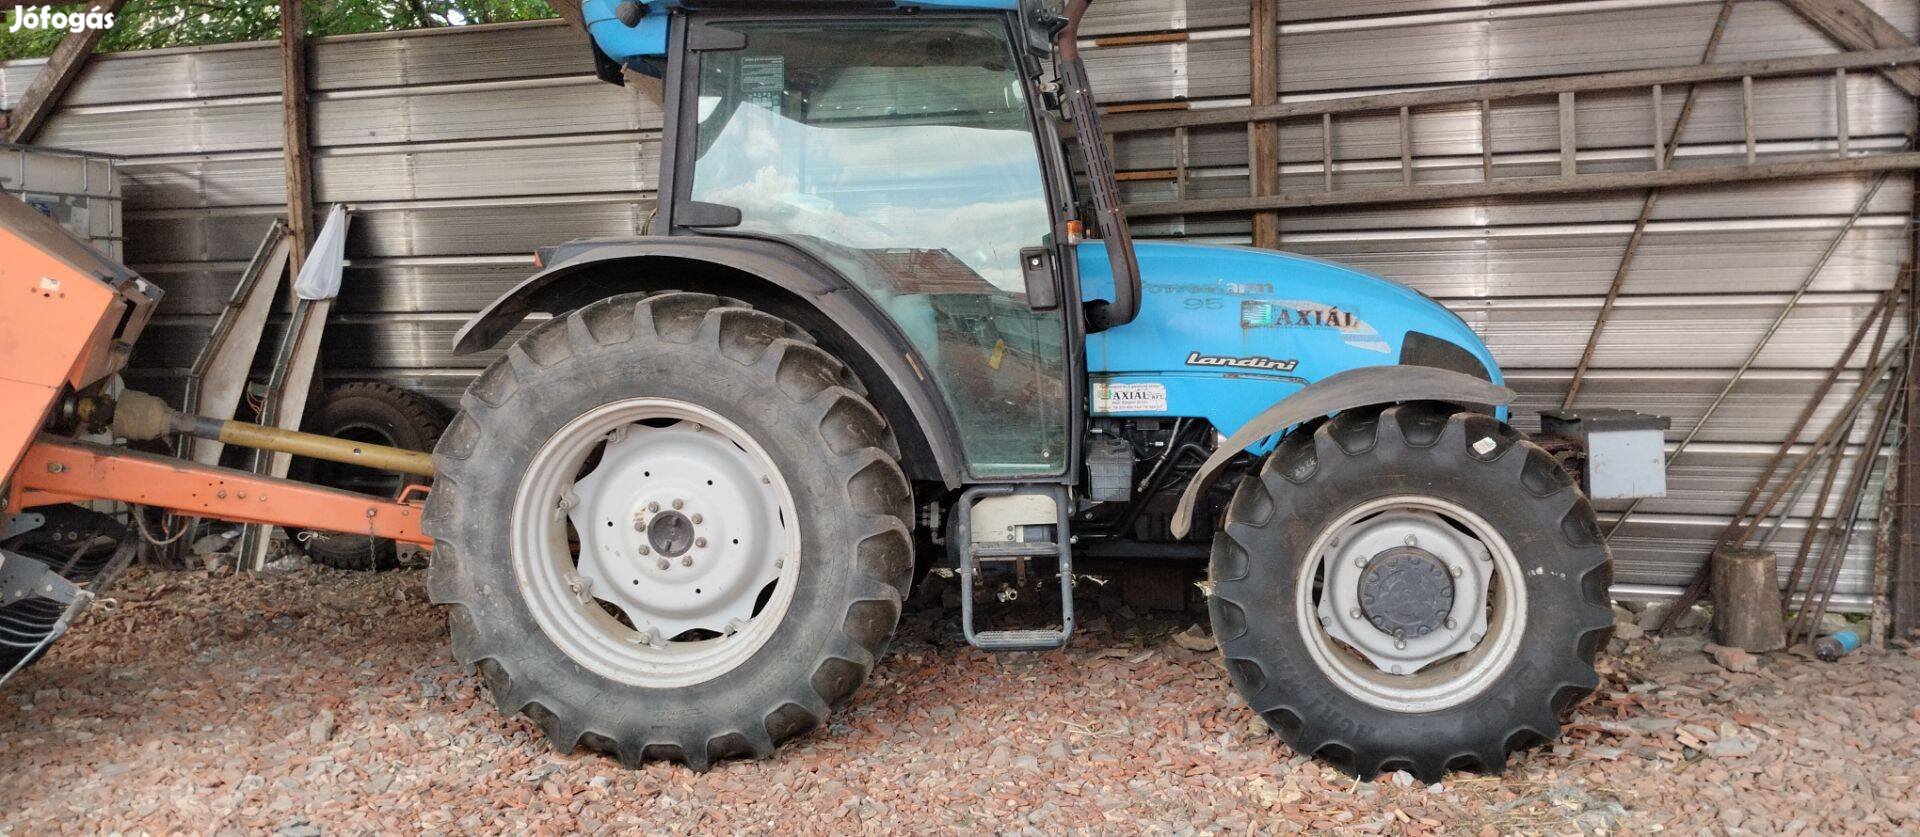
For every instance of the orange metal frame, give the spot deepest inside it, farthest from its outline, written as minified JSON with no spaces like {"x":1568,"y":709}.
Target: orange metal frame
{"x":57,"y":470}
{"x":68,"y":316}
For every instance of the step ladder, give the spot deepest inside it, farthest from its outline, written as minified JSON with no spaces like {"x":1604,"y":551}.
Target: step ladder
{"x":968,"y":555}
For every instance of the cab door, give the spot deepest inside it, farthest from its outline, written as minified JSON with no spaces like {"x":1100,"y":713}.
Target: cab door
{"x":901,"y":151}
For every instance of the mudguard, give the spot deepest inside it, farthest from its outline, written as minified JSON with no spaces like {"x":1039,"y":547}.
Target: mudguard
{"x":1347,"y":390}
{"x":831,"y":297}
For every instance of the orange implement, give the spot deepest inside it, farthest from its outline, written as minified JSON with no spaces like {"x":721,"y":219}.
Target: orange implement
{"x":68,"y":319}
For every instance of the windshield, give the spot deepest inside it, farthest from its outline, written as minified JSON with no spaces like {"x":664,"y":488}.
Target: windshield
{"x":902,"y":153}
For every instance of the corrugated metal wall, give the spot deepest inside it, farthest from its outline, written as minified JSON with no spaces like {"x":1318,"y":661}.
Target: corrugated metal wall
{"x":466,"y":149}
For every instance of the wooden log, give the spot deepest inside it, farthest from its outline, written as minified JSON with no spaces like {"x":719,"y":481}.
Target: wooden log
{"x":1746,"y":599}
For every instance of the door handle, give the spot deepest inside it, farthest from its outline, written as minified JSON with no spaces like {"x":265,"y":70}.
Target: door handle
{"x":1043,"y":287}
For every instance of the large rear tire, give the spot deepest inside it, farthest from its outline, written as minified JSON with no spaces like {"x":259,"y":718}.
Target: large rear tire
{"x":1411,"y":589}
{"x":670,"y":527}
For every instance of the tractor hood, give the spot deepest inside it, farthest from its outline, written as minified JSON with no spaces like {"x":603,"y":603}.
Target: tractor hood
{"x":1224,"y":332}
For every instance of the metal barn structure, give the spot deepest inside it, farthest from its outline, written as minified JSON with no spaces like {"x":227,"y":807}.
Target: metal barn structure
{"x":1496,"y":155}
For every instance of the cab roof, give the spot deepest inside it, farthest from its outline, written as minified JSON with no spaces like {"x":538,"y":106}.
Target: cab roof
{"x":648,"y":37}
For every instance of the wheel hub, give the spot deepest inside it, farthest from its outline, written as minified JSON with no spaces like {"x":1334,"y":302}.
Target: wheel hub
{"x":1406,"y":591}
{"x":670,"y":534}
{"x":678,"y":529}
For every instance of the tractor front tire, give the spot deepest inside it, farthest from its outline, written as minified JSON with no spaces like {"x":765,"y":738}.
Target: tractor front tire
{"x":784,"y":467}
{"x":1410,"y":588}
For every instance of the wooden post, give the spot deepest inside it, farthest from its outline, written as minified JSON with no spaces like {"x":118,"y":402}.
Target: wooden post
{"x":1746,"y":599}
{"x":1905,"y":572}
{"x":44,"y":93}
{"x":1264,"y":155}
{"x":294,"y":130}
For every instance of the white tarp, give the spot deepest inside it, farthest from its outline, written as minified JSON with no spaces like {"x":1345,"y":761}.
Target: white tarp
{"x":320,"y":275}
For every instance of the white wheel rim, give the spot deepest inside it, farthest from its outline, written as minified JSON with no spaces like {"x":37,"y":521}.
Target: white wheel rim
{"x":648,"y":568}
{"x":1460,"y":658}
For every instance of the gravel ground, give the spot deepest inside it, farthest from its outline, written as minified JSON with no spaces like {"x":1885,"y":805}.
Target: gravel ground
{"x":319,"y":701}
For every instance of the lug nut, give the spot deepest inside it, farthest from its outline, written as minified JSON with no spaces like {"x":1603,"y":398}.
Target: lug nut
{"x":1355,"y":613}
{"x":1412,"y":541}
{"x":1456,"y":571}
{"x":687,"y":561}
{"x":700,"y":542}
{"x":678,"y":503}
{"x":664,"y":563}
{"x":696,"y":517}
{"x":1400,"y":645}
{"x":639,"y":525}
{"x":644,"y":550}
{"x":1360,"y":562}
{"x":653,"y":507}
{"x":1452,"y":624}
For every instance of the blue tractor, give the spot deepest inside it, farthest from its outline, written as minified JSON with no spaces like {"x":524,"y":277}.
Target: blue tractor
{"x":889,"y":319}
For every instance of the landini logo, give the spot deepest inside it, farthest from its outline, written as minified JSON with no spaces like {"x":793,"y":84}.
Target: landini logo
{"x":45,"y":17}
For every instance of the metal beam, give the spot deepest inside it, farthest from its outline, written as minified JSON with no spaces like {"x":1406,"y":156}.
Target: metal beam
{"x":44,"y":94}
{"x":1263,"y":163}
{"x":1474,"y":93}
{"x":1579,"y":183}
{"x":297,"y":156}
{"x":59,"y":470}
{"x":1854,"y":25}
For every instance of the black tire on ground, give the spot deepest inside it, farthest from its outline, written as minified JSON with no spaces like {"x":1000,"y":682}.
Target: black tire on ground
{"x":798,"y":402}
{"x":1315,"y":476}
{"x":365,"y":411}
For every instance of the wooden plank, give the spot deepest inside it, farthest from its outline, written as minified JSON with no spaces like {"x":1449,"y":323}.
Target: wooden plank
{"x":50,"y":84}
{"x":1180,"y":154}
{"x":1842,"y":130}
{"x":1264,"y":153}
{"x":1486,"y":140}
{"x":1583,"y":183}
{"x":1856,"y":26}
{"x":1746,"y":117}
{"x":1659,"y":127}
{"x":1139,"y":40}
{"x":1468,"y":94}
{"x":1569,"y":151}
{"x":295,"y":153}
{"x":1326,"y":149}
{"x":1406,"y":147}
{"x":1145,"y":107}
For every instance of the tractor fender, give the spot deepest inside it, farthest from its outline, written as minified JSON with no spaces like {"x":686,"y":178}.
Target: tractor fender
{"x":833,"y":300}
{"x":1365,"y":386}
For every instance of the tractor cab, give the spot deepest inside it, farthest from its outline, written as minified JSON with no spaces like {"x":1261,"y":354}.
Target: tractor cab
{"x":912,"y":149}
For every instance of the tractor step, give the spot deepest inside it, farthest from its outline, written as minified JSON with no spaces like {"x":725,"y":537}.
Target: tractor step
{"x":1044,"y":639}
{"x":968,"y":555}
{"x":1014,"y":551}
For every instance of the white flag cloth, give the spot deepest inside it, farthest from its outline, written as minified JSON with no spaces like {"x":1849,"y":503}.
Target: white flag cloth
{"x":320,"y":276}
